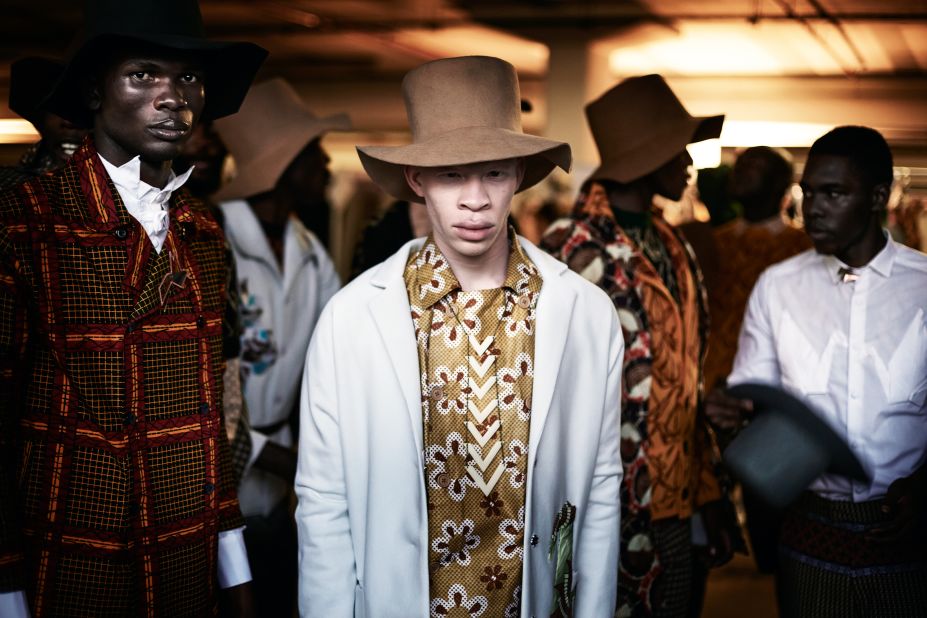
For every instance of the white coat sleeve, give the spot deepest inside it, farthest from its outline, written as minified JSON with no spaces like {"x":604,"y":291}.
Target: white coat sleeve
{"x":329,"y":281}
{"x":597,"y":552}
{"x":757,"y":359}
{"x":327,"y":572}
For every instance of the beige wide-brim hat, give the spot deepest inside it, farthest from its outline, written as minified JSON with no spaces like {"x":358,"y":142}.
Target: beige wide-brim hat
{"x":640,"y":124}
{"x":270,"y":130}
{"x":461,"y":111}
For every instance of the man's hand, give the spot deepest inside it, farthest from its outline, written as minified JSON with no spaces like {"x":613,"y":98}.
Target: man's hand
{"x":278,"y":460}
{"x":237,"y":602}
{"x":727,"y":413}
{"x":721,"y":529}
{"x":906,"y":505}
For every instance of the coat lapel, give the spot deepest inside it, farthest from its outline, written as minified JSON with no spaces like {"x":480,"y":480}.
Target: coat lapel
{"x":391,"y":314}
{"x":554,"y":315}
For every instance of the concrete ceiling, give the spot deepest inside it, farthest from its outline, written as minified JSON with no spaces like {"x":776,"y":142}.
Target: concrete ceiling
{"x":782,"y":60}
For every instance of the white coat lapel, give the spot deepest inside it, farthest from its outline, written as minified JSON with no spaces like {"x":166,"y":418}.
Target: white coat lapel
{"x":391,"y":314}
{"x":554,"y":313}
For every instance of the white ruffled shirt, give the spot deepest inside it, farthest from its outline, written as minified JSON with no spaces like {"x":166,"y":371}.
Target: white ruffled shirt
{"x":147,"y":204}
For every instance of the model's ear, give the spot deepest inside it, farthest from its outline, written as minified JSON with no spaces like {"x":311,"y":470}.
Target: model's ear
{"x":880,"y":195}
{"x":414,"y":178}
{"x":92,"y":92}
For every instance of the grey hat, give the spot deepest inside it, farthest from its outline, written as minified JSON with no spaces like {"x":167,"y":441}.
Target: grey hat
{"x":785,"y":447}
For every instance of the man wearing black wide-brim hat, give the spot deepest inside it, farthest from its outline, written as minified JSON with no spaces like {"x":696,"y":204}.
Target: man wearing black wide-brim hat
{"x":116,"y":495}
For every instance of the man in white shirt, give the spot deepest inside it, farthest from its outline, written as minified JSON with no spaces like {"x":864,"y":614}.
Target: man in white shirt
{"x":843,"y":326}
{"x":116,"y":493}
{"x":285,"y":278}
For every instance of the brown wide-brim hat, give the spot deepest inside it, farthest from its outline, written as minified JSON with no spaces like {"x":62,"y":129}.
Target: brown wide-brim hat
{"x":31,"y":80}
{"x":461,"y":111}
{"x":174,"y":26}
{"x":640,"y":124}
{"x":271,"y":129}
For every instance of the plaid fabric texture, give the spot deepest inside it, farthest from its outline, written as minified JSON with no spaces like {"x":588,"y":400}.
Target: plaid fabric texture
{"x":116,"y":475}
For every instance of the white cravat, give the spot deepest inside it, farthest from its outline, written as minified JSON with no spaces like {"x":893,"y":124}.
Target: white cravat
{"x":147,"y":204}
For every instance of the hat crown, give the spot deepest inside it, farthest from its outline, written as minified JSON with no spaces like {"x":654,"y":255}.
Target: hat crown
{"x":143,"y":17}
{"x":456,"y":93}
{"x":632,"y":112}
{"x":270,"y":111}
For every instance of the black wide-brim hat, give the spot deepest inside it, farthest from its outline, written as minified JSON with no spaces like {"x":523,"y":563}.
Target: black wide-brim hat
{"x":31,"y":80}
{"x":173,"y":25}
{"x":785,"y":447}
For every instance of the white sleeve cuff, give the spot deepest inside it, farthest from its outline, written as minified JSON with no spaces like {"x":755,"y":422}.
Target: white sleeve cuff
{"x":234,"y":569}
{"x":14,"y":605}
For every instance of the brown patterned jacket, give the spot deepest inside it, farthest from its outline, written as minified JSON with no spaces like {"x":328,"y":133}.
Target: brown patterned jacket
{"x":114,"y":465}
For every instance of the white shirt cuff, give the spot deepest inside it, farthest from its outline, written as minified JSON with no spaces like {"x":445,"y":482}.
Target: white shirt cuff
{"x":234,"y":569}
{"x":14,"y":604}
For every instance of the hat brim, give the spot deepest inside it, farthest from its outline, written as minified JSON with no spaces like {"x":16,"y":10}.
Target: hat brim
{"x":385,"y":164}
{"x":786,"y":446}
{"x":262,"y":173}
{"x":659,"y":148}
{"x":230,"y":68}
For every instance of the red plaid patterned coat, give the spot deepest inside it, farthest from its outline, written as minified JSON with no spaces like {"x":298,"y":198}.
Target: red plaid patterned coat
{"x":114,"y":465}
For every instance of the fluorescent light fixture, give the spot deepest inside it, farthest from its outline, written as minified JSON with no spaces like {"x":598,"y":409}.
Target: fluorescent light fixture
{"x":17,"y":131}
{"x":746,"y":133}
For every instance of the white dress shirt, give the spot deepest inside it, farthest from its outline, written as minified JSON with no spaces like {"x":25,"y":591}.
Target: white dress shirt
{"x":280,"y":307}
{"x":148,"y":204}
{"x":856,"y":350}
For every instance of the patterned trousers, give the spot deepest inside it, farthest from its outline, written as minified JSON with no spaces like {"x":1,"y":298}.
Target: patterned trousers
{"x":829,"y":567}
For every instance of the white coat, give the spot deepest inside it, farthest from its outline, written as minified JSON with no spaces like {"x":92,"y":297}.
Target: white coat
{"x":362,"y":522}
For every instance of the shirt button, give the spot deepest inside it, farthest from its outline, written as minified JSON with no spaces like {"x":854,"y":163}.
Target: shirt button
{"x":437,"y":392}
{"x":121,"y":233}
{"x":854,"y":395}
{"x":443,"y":479}
{"x":200,"y":322}
{"x":523,"y":301}
{"x":204,"y":408}
{"x":534,"y":540}
{"x":130,"y":329}
{"x":208,"y":488}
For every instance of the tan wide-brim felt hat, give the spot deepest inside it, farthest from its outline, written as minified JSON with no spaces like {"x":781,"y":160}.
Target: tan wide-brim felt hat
{"x":461,"y":111}
{"x":640,"y":124}
{"x":270,"y":130}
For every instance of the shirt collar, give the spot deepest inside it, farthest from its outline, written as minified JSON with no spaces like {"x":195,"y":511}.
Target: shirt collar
{"x":434,"y":279}
{"x":881,"y":264}
{"x":127,"y":178}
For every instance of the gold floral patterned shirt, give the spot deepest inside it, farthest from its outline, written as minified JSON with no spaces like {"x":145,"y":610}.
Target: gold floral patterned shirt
{"x":476,"y":355}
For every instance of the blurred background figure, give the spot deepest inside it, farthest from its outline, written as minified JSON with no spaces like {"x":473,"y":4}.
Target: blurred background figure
{"x":401,"y":222}
{"x":31,"y":81}
{"x":285,"y":277}
{"x":759,"y":236}
{"x":759,"y":189}
{"x":206,"y":154}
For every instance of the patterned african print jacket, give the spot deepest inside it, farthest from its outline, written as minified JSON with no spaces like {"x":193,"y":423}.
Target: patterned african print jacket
{"x":115,"y":466}
{"x":667,"y":452}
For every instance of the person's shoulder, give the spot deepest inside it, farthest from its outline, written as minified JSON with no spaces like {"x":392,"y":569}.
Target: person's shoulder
{"x":789,"y":267}
{"x":552,"y":270}
{"x":912,"y":259}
